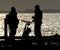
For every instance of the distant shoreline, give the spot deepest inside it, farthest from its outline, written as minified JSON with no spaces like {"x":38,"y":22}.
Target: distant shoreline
{"x":26,"y":12}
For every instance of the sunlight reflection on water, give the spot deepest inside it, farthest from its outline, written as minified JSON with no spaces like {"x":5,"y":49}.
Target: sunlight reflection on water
{"x":50,"y":25}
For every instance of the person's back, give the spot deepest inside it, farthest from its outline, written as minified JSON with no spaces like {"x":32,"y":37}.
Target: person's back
{"x":12,"y":19}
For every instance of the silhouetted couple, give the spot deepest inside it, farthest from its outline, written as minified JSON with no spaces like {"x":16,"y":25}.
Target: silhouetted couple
{"x":12,"y":21}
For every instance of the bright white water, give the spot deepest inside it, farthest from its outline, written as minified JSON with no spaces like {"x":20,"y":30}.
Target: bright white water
{"x":50,"y":25}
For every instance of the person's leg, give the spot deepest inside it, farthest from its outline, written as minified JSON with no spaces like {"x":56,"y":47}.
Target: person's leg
{"x":37,"y":30}
{"x":13,"y":32}
{"x":12,"y":35}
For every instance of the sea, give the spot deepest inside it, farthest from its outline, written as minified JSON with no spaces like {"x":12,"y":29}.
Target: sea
{"x":50,"y":24}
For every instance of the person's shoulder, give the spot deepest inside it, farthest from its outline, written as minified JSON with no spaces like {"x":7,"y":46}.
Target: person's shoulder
{"x":7,"y":15}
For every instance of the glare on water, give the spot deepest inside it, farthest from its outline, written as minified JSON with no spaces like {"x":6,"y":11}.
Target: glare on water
{"x":50,"y":25}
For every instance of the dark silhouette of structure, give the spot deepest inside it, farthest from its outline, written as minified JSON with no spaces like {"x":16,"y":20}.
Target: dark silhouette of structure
{"x":37,"y":21}
{"x":27,"y":30}
{"x":11,"y":20}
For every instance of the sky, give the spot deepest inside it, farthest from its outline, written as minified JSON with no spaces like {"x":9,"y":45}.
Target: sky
{"x":29,"y":4}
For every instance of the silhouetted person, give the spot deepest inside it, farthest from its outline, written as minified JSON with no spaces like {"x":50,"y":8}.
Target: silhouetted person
{"x":12,"y":21}
{"x":37,"y":21}
{"x":37,"y":24}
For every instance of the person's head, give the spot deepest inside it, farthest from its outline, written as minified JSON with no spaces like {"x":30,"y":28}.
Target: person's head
{"x":37,"y":7}
{"x":13,"y":9}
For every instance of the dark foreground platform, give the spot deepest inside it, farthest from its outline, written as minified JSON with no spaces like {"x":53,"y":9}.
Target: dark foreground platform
{"x":31,"y":42}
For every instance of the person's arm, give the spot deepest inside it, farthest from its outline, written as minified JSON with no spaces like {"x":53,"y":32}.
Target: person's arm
{"x":5,"y":27}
